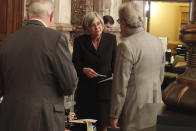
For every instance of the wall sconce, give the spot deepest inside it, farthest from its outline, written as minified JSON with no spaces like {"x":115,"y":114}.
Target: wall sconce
{"x":147,"y":7}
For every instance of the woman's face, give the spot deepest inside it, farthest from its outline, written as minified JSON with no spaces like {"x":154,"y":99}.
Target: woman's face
{"x":96,"y":28}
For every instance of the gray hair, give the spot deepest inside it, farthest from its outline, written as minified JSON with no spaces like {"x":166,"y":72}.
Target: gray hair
{"x":131,"y":14}
{"x":40,"y":8}
{"x":88,"y":19}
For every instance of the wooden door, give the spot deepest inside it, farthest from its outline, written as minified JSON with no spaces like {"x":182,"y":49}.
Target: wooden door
{"x":11,"y":15}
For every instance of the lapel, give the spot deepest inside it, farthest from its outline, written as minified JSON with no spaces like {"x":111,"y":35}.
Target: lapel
{"x":102,"y":43}
{"x":90,"y":46}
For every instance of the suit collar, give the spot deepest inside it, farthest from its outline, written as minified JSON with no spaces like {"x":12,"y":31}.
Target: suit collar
{"x":40,"y":21}
{"x":133,"y":30}
{"x":35,"y":22}
{"x":138,"y":29}
{"x":90,"y":45}
{"x":101,"y":44}
{"x":92,"y":48}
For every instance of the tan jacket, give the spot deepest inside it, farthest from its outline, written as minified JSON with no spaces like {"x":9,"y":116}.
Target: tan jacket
{"x":138,"y":75}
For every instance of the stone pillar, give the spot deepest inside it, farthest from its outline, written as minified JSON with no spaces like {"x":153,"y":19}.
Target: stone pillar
{"x":115,"y":4}
{"x":62,"y":18}
{"x":104,"y":7}
{"x":109,"y":7}
{"x":62,"y":11}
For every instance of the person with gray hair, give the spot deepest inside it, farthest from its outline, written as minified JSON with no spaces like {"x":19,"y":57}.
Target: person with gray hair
{"x":93,"y":57}
{"x":44,"y":9}
{"x":131,"y":15}
{"x":36,"y":71}
{"x":138,"y":74}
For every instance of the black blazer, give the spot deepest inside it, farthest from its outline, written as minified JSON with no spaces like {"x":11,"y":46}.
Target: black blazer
{"x":36,"y":71}
{"x":100,"y":60}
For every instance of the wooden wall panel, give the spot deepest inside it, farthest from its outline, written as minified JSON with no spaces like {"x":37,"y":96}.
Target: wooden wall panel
{"x":3,"y":18}
{"x":11,"y":15}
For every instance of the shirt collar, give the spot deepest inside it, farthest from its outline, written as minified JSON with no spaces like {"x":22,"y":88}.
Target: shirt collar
{"x":133,"y":30}
{"x":40,"y":21}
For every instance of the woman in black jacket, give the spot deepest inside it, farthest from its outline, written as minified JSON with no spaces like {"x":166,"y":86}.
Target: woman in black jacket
{"x":93,"y":58}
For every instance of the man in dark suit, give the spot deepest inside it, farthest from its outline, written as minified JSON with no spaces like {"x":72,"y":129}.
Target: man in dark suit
{"x":36,"y":71}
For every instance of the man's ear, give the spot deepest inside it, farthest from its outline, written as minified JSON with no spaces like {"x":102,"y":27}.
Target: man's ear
{"x":123,"y":23}
{"x":51,"y":16}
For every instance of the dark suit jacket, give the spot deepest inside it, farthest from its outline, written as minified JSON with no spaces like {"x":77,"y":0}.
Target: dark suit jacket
{"x":36,"y":71}
{"x":101,"y":61}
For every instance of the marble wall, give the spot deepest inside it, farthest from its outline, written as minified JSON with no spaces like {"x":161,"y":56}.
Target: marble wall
{"x":62,"y":11}
{"x":115,"y":4}
{"x":109,"y":7}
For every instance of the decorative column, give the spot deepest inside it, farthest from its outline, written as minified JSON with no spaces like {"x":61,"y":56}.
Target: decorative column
{"x":182,"y":92}
{"x":115,"y":4}
{"x":62,"y":11}
{"x":104,"y":7}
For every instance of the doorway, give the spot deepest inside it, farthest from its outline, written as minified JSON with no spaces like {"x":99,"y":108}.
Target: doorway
{"x":166,"y":20}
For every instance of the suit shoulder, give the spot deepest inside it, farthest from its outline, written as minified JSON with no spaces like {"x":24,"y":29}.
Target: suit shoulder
{"x":82,"y":37}
{"x":154,"y":36}
{"x":109,"y":35}
{"x":54,"y":31}
{"x":54,"y":34}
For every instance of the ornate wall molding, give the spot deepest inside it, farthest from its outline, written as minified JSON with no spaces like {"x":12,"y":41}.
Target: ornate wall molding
{"x":78,"y":9}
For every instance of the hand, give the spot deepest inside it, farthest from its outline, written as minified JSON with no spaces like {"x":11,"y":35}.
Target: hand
{"x":1,"y":99}
{"x":89,"y":72}
{"x":114,"y":123}
{"x":72,"y":116}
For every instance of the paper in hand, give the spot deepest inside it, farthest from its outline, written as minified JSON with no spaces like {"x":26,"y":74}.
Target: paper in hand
{"x":100,"y":75}
{"x":107,"y":79}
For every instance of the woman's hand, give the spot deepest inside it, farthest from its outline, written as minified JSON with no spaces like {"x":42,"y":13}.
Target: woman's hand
{"x":72,"y":116}
{"x":114,"y":124}
{"x":89,"y":72}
